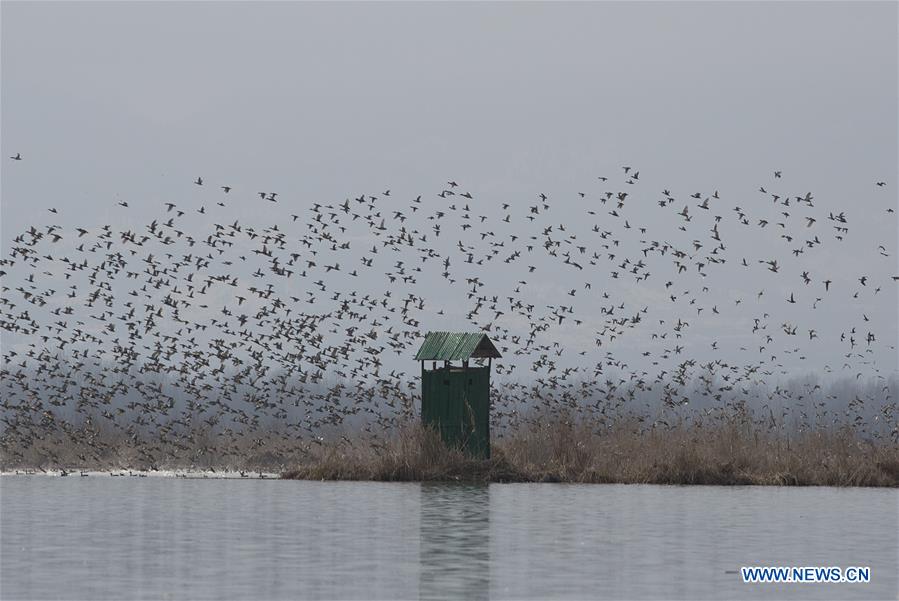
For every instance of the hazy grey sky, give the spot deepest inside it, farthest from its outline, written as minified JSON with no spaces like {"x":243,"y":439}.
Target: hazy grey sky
{"x":112,"y":101}
{"x":322,"y":99}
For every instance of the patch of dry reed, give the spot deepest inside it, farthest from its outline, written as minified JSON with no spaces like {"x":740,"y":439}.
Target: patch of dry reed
{"x":560,"y":451}
{"x":724,"y":452}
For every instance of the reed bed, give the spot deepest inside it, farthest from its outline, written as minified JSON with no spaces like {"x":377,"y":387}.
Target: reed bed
{"x":544,"y":449}
{"x":560,"y":451}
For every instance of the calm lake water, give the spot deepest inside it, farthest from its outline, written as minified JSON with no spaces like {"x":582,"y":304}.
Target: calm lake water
{"x":163,"y":538}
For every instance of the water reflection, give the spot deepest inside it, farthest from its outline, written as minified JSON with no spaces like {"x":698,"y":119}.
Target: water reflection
{"x":159,"y":538}
{"x":454,"y":541}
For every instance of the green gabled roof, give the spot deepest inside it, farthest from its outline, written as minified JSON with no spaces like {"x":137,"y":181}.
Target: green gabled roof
{"x":456,"y":346}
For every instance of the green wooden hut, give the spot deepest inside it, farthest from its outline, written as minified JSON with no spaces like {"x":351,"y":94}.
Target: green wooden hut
{"x":455,"y":399}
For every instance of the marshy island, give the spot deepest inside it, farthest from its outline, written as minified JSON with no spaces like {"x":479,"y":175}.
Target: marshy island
{"x":612,"y":334}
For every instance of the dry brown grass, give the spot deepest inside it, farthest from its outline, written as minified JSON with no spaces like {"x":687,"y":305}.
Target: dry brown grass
{"x":728,"y":451}
{"x":565,"y":452}
{"x":413,"y":454}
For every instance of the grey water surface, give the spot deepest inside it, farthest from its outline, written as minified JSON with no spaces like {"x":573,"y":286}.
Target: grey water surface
{"x":163,"y":538}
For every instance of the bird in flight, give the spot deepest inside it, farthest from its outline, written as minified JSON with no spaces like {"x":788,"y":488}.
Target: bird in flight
{"x":18,"y":157}
{"x":144,"y":290}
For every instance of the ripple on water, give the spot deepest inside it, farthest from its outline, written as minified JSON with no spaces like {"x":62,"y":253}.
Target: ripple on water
{"x":166,"y":538}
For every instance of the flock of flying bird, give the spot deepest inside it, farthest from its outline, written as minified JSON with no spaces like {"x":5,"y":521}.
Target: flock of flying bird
{"x":308,"y":325}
